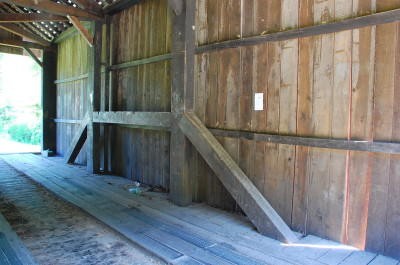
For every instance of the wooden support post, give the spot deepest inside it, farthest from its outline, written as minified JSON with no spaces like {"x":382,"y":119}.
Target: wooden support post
{"x":248,"y":197}
{"x":94,"y":83}
{"x":49,"y":96}
{"x":105,"y":98}
{"x":182,"y":68}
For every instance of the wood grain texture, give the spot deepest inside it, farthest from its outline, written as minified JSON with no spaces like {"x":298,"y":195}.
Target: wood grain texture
{"x":257,"y":208}
{"x":139,"y":32}
{"x":72,"y":96}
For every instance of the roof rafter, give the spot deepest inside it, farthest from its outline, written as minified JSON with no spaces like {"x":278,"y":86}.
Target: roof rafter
{"x":81,"y":29}
{"x":29,"y":17}
{"x":23,"y":33}
{"x":20,"y":44}
{"x":54,"y":8}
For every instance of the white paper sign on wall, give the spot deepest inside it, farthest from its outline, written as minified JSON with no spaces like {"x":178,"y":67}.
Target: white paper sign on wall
{"x":259,"y":101}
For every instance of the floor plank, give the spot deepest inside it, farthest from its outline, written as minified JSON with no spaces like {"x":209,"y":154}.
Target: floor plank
{"x":359,"y":258}
{"x":197,"y":234}
{"x":13,"y":251}
{"x":382,"y":260}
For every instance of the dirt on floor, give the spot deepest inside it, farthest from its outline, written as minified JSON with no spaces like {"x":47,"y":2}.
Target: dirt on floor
{"x":57,"y":232}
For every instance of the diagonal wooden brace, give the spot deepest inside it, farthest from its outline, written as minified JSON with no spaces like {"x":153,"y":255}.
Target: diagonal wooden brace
{"x":78,"y":141}
{"x":252,"y":202}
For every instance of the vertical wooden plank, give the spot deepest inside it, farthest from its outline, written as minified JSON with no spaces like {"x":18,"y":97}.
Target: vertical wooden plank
{"x":383,"y":116}
{"x":287,"y":110}
{"x":338,"y":174}
{"x":392,"y":240}
{"x":214,"y":187}
{"x":269,"y":62}
{"x":200,"y":73}
{"x":359,"y":172}
{"x":385,"y":50}
{"x":246,"y":147}
{"x":321,"y":121}
{"x":304,"y":119}
{"x":229,"y":80}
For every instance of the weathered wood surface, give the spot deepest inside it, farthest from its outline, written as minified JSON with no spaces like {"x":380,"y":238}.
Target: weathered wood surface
{"x":142,"y":31}
{"x":14,"y":29}
{"x":324,"y":28}
{"x":90,"y":6}
{"x":67,"y":121}
{"x":324,"y":86}
{"x":12,"y":49}
{"x":252,"y":202}
{"x":72,"y":94}
{"x":120,"y":6}
{"x":77,"y":142}
{"x":341,"y":144}
{"x":12,"y":250}
{"x":182,"y":89}
{"x":162,"y":120}
{"x":134,"y":63}
{"x":94,"y":90}
{"x":53,"y":8}
{"x":19,"y":43}
{"x":225,"y":237}
{"x":81,"y":29}
{"x":71,"y":79}
{"x":29,"y":17}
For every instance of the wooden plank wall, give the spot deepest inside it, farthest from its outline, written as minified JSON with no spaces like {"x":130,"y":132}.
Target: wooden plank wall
{"x":140,"y":32}
{"x":72,"y":96}
{"x":341,"y":85}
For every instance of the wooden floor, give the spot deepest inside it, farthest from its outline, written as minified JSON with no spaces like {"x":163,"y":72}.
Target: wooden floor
{"x":191,"y":235}
{"x":57,"y":232}
{"x":12,"y":250}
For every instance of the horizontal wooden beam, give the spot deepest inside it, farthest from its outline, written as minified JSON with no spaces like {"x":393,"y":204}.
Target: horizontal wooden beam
{"x":248,"y":197}
{"x":53,"y":8}
{"x":119,"y":6}
{"x":25,"y":34}
{"x":31,"y":17}
{"x":71,"y":79}
{"x":341,"y":144}
{"x":161,"y":120}
{"x":22,"y":44}
{"x":134,"y":63}
{"x":347,"y":24}
{"x":67,"y":121}
{"x":81,"y":29}
{"x":33,"y":56}
{"x":90,"y":6}
{"x":78,"y":141}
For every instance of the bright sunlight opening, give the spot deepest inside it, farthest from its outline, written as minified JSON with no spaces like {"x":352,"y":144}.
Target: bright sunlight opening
{"x":20,"y":104}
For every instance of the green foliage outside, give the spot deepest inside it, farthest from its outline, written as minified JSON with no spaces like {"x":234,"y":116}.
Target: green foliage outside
{"x":6,"y":118}
{"x":20,"y":132}
{"x":23,"y":134}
